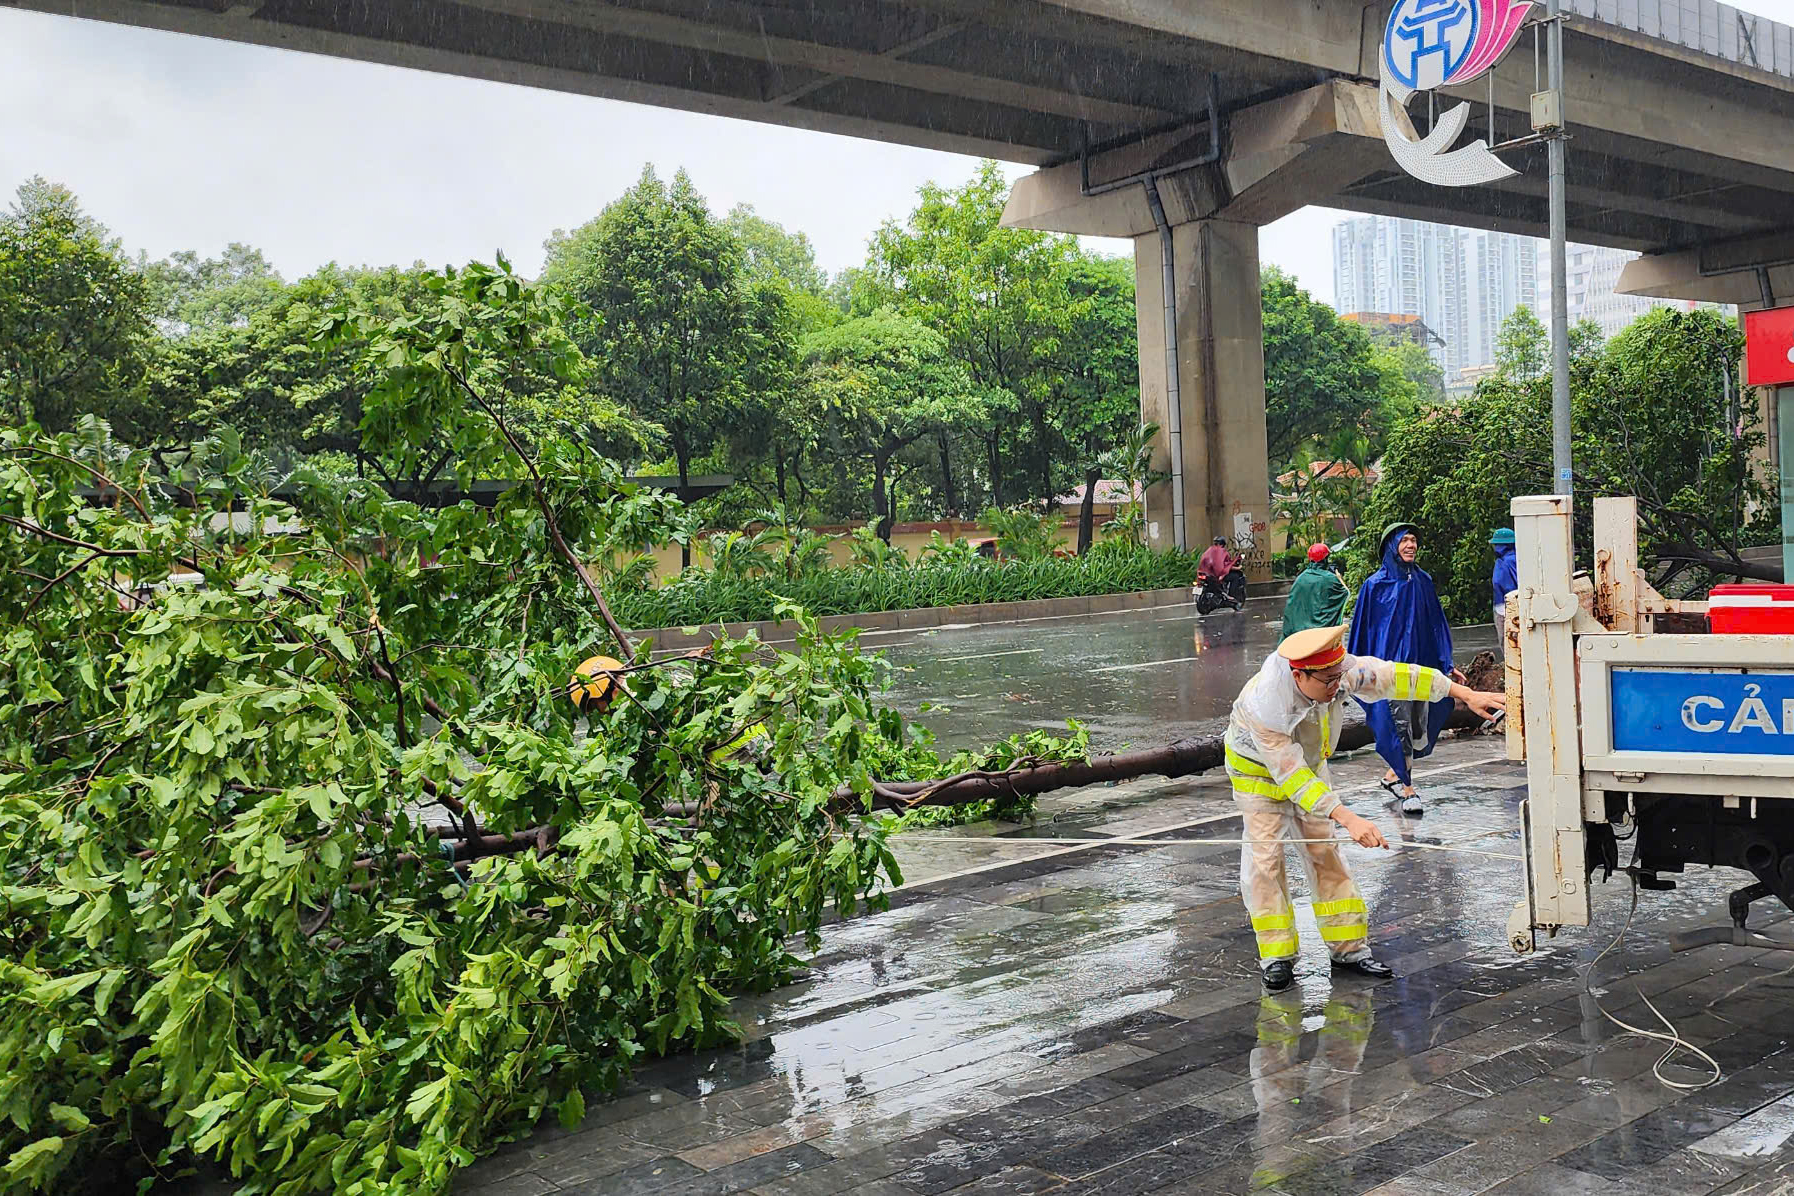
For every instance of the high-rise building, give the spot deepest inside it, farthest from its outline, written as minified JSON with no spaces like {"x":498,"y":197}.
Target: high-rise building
{"x":1405,"y":267}
{"x":1503,"y":275}
{"x":1593,"y":273}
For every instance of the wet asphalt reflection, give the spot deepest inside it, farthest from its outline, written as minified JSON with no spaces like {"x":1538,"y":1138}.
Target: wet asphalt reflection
{"x":1140,"y":677}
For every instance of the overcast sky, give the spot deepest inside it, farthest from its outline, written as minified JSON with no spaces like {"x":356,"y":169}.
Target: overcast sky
{"x":179,"y":142}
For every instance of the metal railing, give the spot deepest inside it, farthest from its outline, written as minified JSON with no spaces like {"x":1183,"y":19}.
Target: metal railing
{"x":1704,"y":25}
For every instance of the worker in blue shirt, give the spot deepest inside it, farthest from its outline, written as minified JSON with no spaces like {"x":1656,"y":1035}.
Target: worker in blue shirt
{"x":1505,"y":581}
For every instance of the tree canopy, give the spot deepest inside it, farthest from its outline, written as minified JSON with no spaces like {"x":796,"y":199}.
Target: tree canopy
{"x":1656,"y":413}
{"x":311,"y":868}
{"x":1321,"y":373}
{"x":75,"y":333}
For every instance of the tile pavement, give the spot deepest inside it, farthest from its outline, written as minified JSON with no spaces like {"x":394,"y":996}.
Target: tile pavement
{"x":1090,"y":1022}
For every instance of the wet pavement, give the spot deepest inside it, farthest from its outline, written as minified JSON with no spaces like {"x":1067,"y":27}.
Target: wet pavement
{"x":1046,"y":1011}
{"x":1137,"y":677}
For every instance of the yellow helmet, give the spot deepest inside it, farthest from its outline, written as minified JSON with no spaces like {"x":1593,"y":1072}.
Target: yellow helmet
{"x":595,"y":683}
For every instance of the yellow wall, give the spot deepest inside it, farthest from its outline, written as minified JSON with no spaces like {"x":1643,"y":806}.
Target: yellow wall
{"x":912,"y":538}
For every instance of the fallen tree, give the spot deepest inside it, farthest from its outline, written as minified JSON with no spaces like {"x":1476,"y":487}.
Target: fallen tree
{"x":1182,"y":758}
{"x":309,"y":868}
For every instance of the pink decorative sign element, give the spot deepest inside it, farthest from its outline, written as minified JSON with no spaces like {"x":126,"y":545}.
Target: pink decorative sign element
{"x":1497,"y":28}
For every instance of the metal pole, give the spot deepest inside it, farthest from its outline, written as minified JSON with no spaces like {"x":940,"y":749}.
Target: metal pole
{"x":1174,"y":411}
{"x":1560,"y":298}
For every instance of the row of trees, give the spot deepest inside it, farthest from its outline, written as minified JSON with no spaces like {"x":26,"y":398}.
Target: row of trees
{"x":1657,"y":413}
{"x":963,"y":366}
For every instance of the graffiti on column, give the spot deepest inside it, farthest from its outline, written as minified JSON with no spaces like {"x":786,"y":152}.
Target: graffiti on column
{"x":1250,"y":540}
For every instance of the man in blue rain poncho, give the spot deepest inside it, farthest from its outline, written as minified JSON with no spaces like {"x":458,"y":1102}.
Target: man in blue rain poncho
{"x":1398,"y":618}
{"x":1506,"y":580}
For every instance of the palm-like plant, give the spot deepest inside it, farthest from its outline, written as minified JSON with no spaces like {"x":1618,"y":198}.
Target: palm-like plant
{"x":957,"y":551}
{"x":738,"y":554}
{"x":870,"y":552}
{"x":1132,"y":459}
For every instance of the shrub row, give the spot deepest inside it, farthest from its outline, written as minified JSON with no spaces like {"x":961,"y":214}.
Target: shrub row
{"x":700,"y":596}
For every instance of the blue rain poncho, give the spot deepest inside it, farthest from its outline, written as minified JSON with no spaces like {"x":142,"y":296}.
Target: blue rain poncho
{"x":1398,"y":618}
{"x":1506,"y":579}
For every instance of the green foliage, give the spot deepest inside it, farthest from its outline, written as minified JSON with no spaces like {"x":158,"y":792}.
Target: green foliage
{"x":884,"y":382}
{"x":75,"y":335}
{"x":1321,"y":372}
{"x":1522,"y":346}
{"x":1023,"y":534}
{"x":770,"y":251}
{"x":1038,"y":327}
{"x":1655,"y":415}
{"x":698,"y":597}
{"x":869,"y":550}
{"x":957,"y":551}
{"x":310,"y":868}
{"x":670,"y":328}
{"x":189,"y":293}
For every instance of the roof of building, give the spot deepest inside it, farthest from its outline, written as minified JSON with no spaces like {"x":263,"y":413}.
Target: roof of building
{"x":1108,"y":490}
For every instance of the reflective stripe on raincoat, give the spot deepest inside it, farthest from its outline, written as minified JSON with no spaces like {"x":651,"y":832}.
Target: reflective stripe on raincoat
{"x":1278,"y":741}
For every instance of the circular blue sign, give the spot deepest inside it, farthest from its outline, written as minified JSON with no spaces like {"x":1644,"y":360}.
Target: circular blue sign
{"x":1426,"y":41}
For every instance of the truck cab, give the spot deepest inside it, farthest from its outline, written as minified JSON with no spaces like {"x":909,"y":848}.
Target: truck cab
{"x":1667,"y":722}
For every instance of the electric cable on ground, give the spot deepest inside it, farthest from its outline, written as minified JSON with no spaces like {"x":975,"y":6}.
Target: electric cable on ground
{"x":1677,"y":1044}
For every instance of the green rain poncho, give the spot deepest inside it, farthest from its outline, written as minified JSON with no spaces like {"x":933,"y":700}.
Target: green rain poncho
{"x":1317,"y":599}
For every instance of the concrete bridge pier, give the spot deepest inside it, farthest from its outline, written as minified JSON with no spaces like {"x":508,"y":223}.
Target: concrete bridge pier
{"x":1221,"y":386}
{"x":1217,"y":185}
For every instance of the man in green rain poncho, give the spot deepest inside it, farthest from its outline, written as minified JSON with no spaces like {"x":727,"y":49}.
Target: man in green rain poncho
{"x":1318,"y":597}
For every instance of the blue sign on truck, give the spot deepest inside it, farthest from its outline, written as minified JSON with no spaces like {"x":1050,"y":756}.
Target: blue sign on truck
{"x":1732,"y":713}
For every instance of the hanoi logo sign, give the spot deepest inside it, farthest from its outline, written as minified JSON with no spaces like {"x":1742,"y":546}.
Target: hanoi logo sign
{"x":1437,"y":43}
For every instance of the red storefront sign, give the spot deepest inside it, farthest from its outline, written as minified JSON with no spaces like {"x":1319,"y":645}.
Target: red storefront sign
{"x":1769,"y":347}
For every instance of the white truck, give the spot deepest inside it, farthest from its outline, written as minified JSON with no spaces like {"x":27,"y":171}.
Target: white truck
{"x":1686,"y":739}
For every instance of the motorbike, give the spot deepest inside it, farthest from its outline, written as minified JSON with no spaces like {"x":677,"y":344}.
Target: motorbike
{"x":1213,"y":593}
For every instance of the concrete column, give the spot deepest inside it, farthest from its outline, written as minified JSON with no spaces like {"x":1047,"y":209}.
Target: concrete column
{"x":1222,"y":379}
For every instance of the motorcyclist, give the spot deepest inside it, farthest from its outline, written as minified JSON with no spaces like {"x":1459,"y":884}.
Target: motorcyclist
{"x":1220,"y":565}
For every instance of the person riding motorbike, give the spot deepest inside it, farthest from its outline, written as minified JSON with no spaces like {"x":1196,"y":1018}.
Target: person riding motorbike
{"x":1218,"y":573}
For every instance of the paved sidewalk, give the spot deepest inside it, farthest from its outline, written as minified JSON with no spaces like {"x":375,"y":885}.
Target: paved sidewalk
{"x":1054,"y":1016}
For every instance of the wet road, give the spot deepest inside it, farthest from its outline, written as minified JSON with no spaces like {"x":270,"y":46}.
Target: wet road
{"x":1140,"y":677}
{"x":1078,"y":1016}
{"x":1091,"y":1022}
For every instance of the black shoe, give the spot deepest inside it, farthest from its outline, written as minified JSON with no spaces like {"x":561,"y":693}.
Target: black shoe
{"x":1279,"y":974}
{"x":1373,"y":969}
{"x":1411,"y":805}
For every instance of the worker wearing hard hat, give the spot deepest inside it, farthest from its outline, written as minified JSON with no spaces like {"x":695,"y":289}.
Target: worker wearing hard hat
{"x":1317,"y":598}
{"x":598,"y":681}
{"x":1285,"y":724}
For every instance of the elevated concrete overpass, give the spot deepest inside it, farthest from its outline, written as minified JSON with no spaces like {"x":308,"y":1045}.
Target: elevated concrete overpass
{"x":1243,"y":110}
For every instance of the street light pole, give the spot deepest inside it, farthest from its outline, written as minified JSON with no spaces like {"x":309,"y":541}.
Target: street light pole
{"x":1560,"y":299}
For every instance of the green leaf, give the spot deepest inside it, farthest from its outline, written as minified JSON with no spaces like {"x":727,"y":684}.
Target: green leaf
{"x":70,"y":1118}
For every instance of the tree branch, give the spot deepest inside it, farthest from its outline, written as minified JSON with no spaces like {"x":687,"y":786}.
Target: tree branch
{"x":1183,"y":758}
{"x":554,"y":524}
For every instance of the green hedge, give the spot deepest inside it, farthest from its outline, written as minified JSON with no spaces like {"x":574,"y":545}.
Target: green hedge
{"x":700,"y":596}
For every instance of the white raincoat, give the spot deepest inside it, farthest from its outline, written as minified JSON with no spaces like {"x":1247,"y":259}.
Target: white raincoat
{"x":1278,"y":743}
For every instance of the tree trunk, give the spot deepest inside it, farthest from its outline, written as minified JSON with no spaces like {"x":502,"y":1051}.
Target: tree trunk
{"x":1183,"y":758}
{"x":881,"y":509}
{"x":992,"y":442}
{"x":889,"y":522}
{"x":947,"y":495}
{"x":778,"y":465}
{"x":682,"y":455}
{"x":1087,"y":512}
{"x":1043,"y":458}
